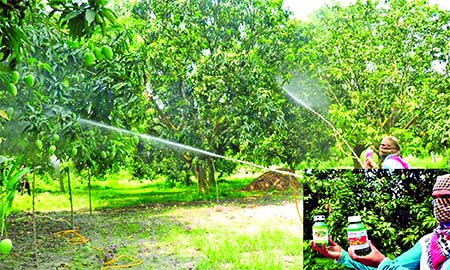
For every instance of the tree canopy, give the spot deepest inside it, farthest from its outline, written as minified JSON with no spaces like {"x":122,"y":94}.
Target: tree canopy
{"x":213,"y":75}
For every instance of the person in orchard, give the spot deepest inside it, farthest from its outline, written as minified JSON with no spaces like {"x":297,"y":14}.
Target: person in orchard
{"x":431,"y":252}
{"x":390,"y":157}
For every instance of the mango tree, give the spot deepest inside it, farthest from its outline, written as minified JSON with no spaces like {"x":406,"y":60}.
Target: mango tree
{"x":211,"y":75}
{"x":80,"y":17}
{"x":72,"y":90}
{"x":41,"y":114}
{"x":39,"y":108}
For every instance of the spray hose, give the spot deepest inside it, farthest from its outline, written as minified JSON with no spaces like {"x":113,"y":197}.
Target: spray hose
{"x":294,"y":193}
{"x":73,"y":237}
{"x":336,"y":132}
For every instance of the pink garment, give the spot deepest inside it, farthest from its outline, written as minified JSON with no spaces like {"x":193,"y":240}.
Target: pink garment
{"x":437,"y":258}
{"x":400,"y":160}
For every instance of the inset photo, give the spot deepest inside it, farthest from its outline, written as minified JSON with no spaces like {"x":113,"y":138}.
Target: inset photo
{"x":376,"y":219}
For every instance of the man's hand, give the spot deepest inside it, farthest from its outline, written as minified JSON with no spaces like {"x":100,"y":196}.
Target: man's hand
{"x":374,"y":258}
{"x":370,"y":164}
{"x":334,"y":251}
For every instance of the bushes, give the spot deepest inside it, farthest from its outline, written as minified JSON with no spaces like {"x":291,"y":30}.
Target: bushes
{"x":395,"y":206}
{"x":11,"y":173}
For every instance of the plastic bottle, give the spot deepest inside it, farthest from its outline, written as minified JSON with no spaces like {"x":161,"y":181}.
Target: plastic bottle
{"x":357,"y":236}
{"x":369,"y":153}
{"x":320,"y":230}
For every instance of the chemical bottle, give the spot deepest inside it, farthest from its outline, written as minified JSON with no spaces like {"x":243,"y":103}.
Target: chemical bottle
{"x":320,"y":230}
{"x":357,"y":236}
{"x":369,"y":153}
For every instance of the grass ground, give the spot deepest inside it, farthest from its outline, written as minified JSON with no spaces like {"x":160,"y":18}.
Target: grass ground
{"x":147,"y":225}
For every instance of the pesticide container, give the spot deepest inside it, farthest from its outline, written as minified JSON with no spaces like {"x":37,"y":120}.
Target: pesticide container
{"x":320,"y":230}
{"x":357,"y":236}
{"x":369,"y":153}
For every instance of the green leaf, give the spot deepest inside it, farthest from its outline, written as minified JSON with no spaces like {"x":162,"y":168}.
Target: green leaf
{"x":45,"y":66}
{"x":4,"y":115}
{"x":109,"y":15}
{"x":71,"y":15}
{"x":90,"y":16}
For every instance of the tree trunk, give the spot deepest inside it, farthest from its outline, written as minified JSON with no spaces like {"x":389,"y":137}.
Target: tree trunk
{"x":447,"y":150}
{"x":61,"y":182}
{"x":188,"y":170}
{"x":70,"y":199}
{"x":89,"y":191}
{"x":33,"y":207}
{"x":358,"y":150}
{"x":211,"y":171}
{"x":202,"y":181}
{"x":187,"y":178}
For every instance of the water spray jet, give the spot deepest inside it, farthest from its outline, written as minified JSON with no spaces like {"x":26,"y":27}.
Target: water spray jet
{"x":182,"y":146}
{"x":326,"y":121}
{"x":199,"y":151}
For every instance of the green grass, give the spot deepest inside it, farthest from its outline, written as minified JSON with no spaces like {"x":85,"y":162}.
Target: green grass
{"x":165,"y":227}
{"x":440,"y":162}
{"x":226,"y":250}
{"x":118,"y":190}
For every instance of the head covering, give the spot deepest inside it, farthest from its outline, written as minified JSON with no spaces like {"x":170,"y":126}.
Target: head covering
{"x":389,"y":145}
{"x":442,"y":182}
{"x":440,"y":245}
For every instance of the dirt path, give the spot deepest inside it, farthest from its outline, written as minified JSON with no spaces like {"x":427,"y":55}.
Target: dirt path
{"x":246,"y":219}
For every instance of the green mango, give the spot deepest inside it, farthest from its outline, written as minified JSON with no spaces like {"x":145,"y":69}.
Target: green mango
{"x":38,"y":144}
{"x":5,"y":246}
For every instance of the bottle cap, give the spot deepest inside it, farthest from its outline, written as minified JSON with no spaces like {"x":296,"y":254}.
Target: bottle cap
{"x":354,"y":219}
{"x":319,"y":218}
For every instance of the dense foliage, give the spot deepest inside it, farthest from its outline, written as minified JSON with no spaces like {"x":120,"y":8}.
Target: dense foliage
{"x":384,"y":65}
{"x":213,"y":76}
{"x":216,"y":87}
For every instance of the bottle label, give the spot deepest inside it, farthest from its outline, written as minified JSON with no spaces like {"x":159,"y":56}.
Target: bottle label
{"x":358,"y":240}
{"x":320,"y":235}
